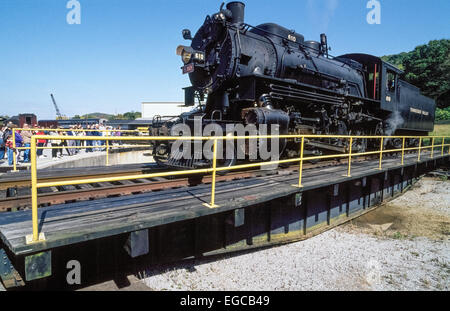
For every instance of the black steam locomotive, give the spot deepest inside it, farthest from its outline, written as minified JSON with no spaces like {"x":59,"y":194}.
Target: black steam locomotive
{"x":270,"y":75}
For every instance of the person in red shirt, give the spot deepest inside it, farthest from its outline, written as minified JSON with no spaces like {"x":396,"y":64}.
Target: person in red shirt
{"x":10,"y":149}
{"x":40,"y":143}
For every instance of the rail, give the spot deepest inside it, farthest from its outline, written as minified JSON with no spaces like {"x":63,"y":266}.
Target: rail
{"x":37,"y":237}
{"x":49,"y":137}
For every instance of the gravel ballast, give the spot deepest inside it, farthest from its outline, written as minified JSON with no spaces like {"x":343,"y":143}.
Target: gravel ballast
{"x":334,"y":260}
{"x":351,"y":257}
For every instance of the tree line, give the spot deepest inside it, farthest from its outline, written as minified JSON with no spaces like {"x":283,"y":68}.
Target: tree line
{"x":132,"y":115}
{"x":428,"y":67}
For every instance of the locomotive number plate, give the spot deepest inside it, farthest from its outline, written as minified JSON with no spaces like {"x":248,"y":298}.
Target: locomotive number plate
{"x":188,"y":68}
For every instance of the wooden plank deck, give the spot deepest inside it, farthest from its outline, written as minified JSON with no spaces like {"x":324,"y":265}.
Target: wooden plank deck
{"x":82,"y":221}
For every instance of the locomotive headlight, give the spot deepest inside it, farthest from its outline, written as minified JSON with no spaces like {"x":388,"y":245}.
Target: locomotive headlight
{"x":186,"y":57}
{"x":188,"y":54}
{"x":185,"y":52}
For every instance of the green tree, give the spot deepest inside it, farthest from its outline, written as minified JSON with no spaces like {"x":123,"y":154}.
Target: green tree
{"x":396,"y":60}
{"x":427,"y":67}
{"x":443,"y":101}
{"x":443,"y":114}
{"x":132,"y":115}
{"x":118,"y":117}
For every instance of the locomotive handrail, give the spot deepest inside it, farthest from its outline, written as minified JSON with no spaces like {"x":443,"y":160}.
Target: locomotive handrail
{"x":37,"y":236}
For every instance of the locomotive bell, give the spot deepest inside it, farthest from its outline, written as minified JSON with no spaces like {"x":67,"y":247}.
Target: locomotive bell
{"x":186,"y":34}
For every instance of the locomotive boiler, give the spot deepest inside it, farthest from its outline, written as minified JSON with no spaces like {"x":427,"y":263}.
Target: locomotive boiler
{"x":268,"y":74}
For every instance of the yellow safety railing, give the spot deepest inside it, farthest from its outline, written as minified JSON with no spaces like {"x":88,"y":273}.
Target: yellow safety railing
{"x":35,"y":185}
{"x":107,"y":132}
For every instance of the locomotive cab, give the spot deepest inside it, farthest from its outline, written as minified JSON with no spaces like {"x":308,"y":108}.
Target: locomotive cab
{"x":381,"y":79}
{"x":405,"y":109}
{"x":389,"y":87}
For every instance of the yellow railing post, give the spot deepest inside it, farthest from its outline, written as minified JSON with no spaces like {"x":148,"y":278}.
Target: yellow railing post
{"x":350,"y":158}
{"x":443,"y":146}
{"x":403,"y":151}
{"x":448,"y":147}
{"x":300,"y":171}
{"x":420,"y":149}
{"x":35,"y":237}
{"x":107,"y":150}
{"x":14,"y":150}
{"x":34,"y":191}
{"x":432,"y":148}
{"x":213,"y":183}
{"x":381,"y":153}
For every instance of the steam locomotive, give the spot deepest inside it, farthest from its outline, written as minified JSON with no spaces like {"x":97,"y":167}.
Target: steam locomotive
{"x":269,"y":75}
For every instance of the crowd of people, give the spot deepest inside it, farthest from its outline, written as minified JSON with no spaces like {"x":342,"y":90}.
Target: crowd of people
{"x":58,"y":146}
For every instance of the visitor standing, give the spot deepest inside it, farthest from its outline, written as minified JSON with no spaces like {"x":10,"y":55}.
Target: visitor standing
{"x":56,"y":143}
{"x":7,"y":133}
{"x":2,"y":143}
{"x":9,"y":149}
{"x":102,"y":133}
{"x":19,"y":144}
{"x":119,"y":134}
{"x":71,"y":143}
{"x":26,"y":136}
{"x":89,"y":142}
{"x":63,"y":142}
{"x":40,"y":143}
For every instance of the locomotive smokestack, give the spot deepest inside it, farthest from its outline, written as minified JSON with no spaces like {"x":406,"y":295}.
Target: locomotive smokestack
{"x":237,"y":8}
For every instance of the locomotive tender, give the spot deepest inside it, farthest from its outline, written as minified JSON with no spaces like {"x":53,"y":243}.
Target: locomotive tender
{"x":270,"y":75}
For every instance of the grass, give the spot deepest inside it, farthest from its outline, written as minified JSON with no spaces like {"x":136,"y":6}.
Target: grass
{"x":441,"y":130}
{"x":399,"y":236}
{"x":443,"y":178}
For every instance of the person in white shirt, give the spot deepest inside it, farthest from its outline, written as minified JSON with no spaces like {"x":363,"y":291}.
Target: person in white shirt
{"x":102,"y":130}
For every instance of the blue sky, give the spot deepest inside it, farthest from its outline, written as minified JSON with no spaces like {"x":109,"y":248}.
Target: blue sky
{"x":123,"y":52}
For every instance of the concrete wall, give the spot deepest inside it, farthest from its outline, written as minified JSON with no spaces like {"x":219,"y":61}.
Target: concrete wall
{"x":99,"y":159}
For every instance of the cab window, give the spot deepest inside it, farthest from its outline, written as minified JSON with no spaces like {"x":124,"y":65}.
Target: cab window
{"x":390,"y":81}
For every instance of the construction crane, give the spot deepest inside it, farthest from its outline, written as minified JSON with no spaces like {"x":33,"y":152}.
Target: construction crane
{"x":59,"y":116}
